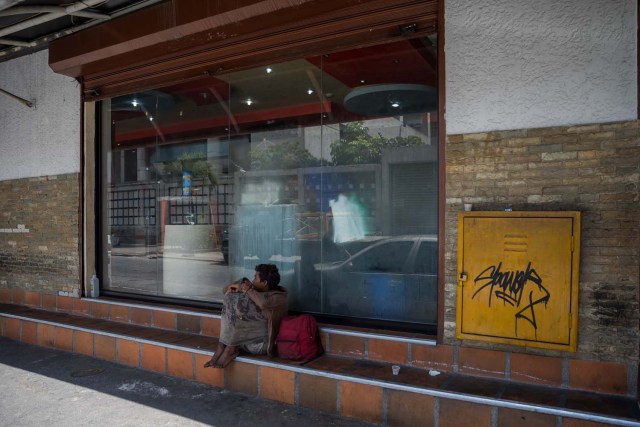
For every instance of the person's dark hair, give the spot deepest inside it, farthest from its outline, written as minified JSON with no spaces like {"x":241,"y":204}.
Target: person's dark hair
{"x":269,"y":272}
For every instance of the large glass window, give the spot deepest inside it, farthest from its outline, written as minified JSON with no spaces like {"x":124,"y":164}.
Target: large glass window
{"x":325,"y":166}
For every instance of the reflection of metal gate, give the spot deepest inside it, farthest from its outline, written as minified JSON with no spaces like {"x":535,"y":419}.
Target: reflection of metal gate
{"x":132,"y":205}
{"x":414,"y":198}
{"x":518,"y":278}
{"x":207,"y":204}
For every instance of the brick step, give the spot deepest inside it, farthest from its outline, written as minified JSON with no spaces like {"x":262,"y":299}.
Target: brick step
{"x":349,"y":387}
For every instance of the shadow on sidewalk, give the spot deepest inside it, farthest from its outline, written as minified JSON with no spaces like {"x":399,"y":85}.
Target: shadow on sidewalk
{"x":60,"y":388}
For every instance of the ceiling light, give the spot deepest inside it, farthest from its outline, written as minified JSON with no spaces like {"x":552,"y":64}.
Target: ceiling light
{"x":150,"y":118}
{"x":397,"y":98}
{"x":134,"y":102}
{"x":269,"y":70}
{"x":249,"y":101}
{"x":309,"y":91}
{"x":361,"y":81}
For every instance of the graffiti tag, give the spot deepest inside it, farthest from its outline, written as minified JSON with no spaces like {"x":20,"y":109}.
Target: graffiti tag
{"x":521,"y":289}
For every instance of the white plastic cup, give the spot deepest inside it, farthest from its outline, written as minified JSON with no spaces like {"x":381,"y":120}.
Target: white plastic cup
{"x":395,"y":369}
{"x":468,"y":206}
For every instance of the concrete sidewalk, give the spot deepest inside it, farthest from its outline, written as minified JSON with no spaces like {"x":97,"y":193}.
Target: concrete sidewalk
{"x":46,"y":387}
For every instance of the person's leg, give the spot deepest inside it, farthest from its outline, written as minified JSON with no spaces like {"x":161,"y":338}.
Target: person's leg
{"x":214,"y":359}
{"x":256,"y":347}
{"x":226,"y":330}
{"x":259,"y":347}
{"x":230,"y":352}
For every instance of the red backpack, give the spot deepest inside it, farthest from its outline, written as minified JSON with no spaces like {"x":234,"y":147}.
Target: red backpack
{"x":298,"y":338}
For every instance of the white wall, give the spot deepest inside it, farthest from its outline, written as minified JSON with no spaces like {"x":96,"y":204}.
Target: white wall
{"x":510,"y":64}
{"x":514,"y":64}
{"x":44,"y":140}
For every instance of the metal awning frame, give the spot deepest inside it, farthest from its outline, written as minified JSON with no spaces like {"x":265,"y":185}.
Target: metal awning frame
{"x":49,"y":13}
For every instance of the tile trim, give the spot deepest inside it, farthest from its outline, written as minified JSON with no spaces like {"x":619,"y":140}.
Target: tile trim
{"x":330,"y":330}
{"x":384,"y":337}
{"x":153,"y":308}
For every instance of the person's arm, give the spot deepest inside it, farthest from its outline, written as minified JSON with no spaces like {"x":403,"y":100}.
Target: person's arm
{"x":236,"y":286}
{"x":266,"y":300}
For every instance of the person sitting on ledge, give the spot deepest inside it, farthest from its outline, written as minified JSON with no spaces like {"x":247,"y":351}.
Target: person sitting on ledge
{"x":251,"y":315}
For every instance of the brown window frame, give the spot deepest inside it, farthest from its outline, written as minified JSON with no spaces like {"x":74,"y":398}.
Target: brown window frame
{"x":174,"y":44}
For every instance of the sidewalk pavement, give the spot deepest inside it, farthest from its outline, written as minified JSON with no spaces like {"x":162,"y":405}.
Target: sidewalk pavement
{"x":53,"y":388}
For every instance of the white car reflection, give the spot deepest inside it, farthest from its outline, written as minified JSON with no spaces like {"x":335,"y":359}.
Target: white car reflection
{"x":394,"y":279}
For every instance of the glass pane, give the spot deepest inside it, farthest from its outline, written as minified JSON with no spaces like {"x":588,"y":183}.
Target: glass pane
{"x":129,"y":194}
{"x":380,"y":183}
{"x":277,"y":112}
{"x":325,"y":166}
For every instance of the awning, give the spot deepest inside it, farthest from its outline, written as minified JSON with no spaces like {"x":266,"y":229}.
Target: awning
{"x":181,"y":40}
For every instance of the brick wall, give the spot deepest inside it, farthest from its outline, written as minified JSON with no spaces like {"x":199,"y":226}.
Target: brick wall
{"x":593,"y":169}
{"x":47,"y":257}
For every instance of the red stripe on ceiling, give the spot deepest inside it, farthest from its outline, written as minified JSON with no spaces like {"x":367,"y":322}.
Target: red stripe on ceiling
{"x":222,"y":121}
{"x":399,"y":62}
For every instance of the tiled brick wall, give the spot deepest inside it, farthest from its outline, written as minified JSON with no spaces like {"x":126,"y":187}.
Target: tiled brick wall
{"x":47,"y":257}
{"x":593,"y":169}
{"x":370,"y":402}
{"x":564,"y":372}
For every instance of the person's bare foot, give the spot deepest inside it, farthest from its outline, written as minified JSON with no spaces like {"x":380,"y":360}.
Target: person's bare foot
{"x":214,"y":359}
{"x":227,"y":356}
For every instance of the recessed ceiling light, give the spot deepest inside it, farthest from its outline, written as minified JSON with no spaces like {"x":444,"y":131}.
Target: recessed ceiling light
{"x":361,"y":81}
{"x":309,"y":91}
{"x":249,"y":101}
{"x":395,"y":104}
{"x":150,"y":118}
{"x":269,"y":70}
{"x":134,"y":102}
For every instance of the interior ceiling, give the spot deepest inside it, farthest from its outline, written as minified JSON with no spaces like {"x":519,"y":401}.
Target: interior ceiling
{"x":288,"y":95}
{"x":27,"y":26}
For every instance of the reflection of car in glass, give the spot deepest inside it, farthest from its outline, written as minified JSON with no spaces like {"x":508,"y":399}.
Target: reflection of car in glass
{"x":393,"y":279}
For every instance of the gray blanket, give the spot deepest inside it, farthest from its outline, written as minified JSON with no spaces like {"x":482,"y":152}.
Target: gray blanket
{"x":242,"y":321}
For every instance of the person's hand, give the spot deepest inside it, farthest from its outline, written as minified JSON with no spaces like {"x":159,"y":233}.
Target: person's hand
{"x":245,"y":286}
{"x":240,"y":287}
{"x":235,"y":287}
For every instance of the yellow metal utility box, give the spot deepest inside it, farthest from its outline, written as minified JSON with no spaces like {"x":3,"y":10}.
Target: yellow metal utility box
{"x":518,"y":278}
